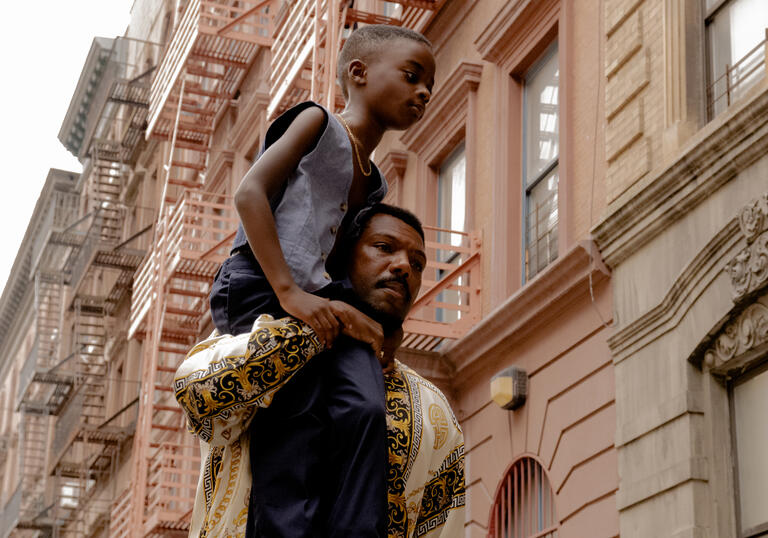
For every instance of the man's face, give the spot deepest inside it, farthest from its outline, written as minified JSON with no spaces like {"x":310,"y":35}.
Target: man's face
{"x":386,"y":267}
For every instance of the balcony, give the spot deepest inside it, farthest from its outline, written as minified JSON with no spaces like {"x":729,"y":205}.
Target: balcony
{"x":111,"y":98}
{"x":737,"y":79}
{"x":173,"y":474}
{"x":115,"y":243}
{"x":195,"y":239}
{"x":210,"y":50}
{"x":450,"y":302}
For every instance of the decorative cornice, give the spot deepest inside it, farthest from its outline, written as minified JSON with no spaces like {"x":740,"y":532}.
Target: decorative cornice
{"x":451,"y":97}
{"x":393,"y":164}
{"x":536,"y":304}
{"x":712,"y":158}
{"x":738,"y":343}
{"x":510,"y":27}
{"x":749,"y":269}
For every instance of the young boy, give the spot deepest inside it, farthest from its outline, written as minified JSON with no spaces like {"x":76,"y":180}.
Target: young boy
{"x":318,"y":454}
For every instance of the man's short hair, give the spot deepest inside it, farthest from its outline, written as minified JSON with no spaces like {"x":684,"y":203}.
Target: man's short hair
{"x":365,"y":41}
{"x":365,"y":216}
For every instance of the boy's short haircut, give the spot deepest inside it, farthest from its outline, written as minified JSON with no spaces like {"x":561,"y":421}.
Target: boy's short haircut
{"x":365,"y":41}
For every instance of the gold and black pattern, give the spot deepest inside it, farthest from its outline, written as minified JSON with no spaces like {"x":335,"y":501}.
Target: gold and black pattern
{"x":274,"y":354}
{"x":399,"y":444}
{"x":443,"y":493}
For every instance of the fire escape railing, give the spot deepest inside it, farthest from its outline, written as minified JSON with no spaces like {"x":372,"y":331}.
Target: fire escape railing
{"x":450,"y":301}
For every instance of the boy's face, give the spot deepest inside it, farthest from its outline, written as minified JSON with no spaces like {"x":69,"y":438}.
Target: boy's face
{"x":399,"y":81}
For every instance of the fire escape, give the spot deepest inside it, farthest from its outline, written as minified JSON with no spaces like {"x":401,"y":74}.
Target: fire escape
{"x":111,"y":241}
{"x":209,"y":52}
{"x":43,"y":387}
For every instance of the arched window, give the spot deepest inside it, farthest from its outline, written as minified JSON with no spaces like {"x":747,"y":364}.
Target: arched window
{"x":524,"y":506}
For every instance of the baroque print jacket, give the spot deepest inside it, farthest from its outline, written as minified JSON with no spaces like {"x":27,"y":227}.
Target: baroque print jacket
{"x":225,"y":380}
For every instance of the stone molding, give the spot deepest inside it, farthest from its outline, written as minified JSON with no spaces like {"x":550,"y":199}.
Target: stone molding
{"x":250,"y":118}
{"x":710,"y":159}
{"x":682,"y":293}
{"x":537,"y":303}
{"x":512,"y":26}
{"x":740,"y":341}
{"x":392,"y":167}
{"x":749,"y":269}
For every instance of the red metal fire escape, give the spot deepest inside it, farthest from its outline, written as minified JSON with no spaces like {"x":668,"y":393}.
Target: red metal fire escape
{"x":210,"y":50}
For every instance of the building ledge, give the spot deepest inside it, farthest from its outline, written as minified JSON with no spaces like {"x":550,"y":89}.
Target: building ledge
{"x":536,"y":304}
{"x":711,"y":158}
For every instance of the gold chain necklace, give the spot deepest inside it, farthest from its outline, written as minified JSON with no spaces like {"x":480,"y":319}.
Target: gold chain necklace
{"x":356,"y":143}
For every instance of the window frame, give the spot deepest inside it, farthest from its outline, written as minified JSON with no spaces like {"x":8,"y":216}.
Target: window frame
{"x":708,"y":16}
{"x":749,"y":374}
{"x":551,"y":49}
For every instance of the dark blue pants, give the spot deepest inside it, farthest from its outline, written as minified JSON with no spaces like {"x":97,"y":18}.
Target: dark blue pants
{"x":318,"y":453}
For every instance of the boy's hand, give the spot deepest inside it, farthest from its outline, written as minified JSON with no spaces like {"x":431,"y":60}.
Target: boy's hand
{"x":315,"y":311}
{"x":357,"y":325}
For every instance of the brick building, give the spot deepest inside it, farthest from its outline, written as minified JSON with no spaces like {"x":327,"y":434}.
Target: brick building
{"x":581,"y":177}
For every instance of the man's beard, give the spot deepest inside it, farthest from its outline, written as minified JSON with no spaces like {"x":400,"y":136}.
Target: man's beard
{"x":389,"y":322}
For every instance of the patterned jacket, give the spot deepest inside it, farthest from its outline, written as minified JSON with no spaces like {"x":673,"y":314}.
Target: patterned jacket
{"x":225,"y":380}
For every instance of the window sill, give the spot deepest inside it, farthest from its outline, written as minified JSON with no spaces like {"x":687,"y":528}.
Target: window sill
{"x":538,"y":302}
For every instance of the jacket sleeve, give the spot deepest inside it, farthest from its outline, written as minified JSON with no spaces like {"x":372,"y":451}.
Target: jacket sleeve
{"x":225,"y":379}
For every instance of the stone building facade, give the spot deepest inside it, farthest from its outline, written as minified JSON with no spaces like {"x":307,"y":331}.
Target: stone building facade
{"x":683,"y":235}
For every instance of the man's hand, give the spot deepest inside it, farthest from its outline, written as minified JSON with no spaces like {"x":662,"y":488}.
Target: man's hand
{"x":391,"y":343}
{"x":315,"y":311}
{"x":357,"y":325}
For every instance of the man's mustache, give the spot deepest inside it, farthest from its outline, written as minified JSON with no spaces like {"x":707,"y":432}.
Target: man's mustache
{"x":383,"y":283}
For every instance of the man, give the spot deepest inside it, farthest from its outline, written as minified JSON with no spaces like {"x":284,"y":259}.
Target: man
{"x":225,"y":380}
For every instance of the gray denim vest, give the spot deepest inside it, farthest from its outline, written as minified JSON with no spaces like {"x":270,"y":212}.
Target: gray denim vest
{"x":314,"y":201}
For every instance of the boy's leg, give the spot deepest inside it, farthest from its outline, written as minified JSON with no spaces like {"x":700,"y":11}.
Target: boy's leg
{"x":289,"y":446}
{"x":240,"y":293}
{"x":354,"y":387}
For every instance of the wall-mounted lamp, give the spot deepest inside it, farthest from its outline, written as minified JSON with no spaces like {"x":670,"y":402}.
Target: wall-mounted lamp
{"x":509,"y":387}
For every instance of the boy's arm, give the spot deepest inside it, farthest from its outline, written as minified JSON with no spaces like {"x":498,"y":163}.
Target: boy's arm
{"x":224,"y":380}
{"x":263,"y":181}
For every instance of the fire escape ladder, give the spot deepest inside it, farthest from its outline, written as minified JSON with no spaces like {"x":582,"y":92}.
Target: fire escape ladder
{"x":308,"y":37}
{"x":33,"y":448}
{"x":90,"y":338}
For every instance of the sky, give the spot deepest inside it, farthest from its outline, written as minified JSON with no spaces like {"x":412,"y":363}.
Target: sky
{"x":43,"y":46}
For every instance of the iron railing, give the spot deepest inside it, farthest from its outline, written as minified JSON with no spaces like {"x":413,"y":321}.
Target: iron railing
{"x":449,"y":303}
{"x":525,"y":504}
{"x":737,"y":79}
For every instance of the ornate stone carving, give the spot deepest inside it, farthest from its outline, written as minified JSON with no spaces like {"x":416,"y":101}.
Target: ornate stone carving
{"x":749,"y":268}
{"x":746,"y":332}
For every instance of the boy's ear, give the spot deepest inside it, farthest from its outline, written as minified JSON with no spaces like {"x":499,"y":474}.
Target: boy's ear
{"x":357,"y":72}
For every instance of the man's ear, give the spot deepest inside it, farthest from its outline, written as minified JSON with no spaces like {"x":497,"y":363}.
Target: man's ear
{"x":357,"y":72}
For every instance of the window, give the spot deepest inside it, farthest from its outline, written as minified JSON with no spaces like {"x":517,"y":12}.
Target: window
{"x":749,"y":398}
{"x":735,"y":34}
{"x":540,"y":162}
{"x":524,"y":506}
{"x":451,"y":215}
